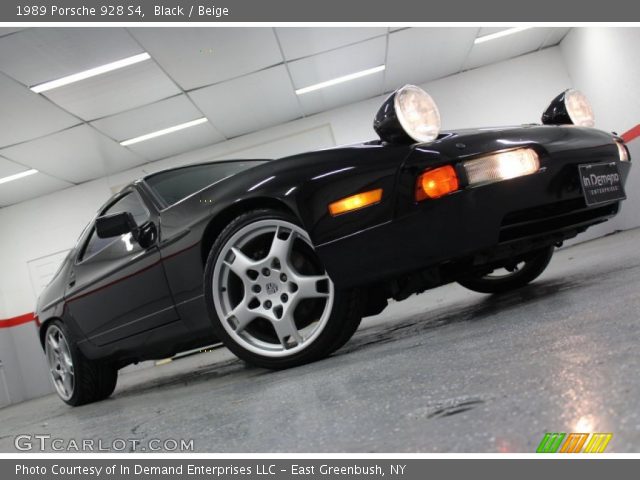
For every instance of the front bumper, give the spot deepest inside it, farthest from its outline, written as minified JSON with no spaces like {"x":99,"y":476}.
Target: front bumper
{"x":474,"y":225}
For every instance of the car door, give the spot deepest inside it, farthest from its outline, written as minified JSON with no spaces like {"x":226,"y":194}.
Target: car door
{"x":118,"y":288}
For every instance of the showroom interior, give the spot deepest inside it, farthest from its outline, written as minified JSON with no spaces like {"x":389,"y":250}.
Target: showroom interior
{"x":188,"y":95}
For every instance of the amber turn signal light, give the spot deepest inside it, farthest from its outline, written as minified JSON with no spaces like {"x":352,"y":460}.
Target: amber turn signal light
{"x":436,"y":183}
{"x":355,"y":202}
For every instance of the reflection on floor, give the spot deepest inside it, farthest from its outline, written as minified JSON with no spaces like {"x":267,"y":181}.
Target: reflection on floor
{"x":448,"y":370}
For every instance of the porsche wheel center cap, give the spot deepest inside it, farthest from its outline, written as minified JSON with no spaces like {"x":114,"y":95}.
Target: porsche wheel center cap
{"x":271,"y":288}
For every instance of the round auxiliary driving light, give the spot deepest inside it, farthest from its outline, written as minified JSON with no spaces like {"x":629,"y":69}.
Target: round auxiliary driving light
{"x":408,"y":115}
{"x":571,"y":107}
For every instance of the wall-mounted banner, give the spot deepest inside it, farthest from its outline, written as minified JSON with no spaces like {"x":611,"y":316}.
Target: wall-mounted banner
{"x":324,"y":11}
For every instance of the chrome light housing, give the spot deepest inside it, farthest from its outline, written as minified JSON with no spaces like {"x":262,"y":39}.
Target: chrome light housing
{"x":571,"y":107}
{"x":408,"y":115}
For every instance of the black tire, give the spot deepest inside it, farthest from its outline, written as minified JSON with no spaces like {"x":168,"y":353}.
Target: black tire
{"x":351,"y":327}
{"x":344,"y":318}
{"x":94,"y":380}
{"x":534,"y":265}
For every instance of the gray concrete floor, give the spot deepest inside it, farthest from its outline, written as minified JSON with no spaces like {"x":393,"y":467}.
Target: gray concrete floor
{"x":445,"y":371}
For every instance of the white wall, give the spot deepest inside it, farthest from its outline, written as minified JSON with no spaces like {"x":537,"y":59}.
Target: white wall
{"x":511,"y":92}
{"x":11,"y":384}
{"x":604,"y":63}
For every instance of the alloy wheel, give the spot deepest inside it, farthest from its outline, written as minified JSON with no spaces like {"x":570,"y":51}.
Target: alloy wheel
{"x":270,"y":291}
{"x":61,"y":368}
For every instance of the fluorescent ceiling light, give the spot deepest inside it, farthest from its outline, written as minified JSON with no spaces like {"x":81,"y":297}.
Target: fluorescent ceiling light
{"x":502,"y":33}
{"x":335,"y":81}
{"x":164,"y":131}
{"x":76,"y":77}
{"x":11,"y":178}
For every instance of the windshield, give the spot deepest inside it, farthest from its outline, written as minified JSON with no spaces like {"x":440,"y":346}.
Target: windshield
{"x":174,"y":185}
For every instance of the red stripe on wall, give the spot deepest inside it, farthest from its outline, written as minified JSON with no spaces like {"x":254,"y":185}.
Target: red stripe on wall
{"x":631,"y":134}
{"x":19,"y":320}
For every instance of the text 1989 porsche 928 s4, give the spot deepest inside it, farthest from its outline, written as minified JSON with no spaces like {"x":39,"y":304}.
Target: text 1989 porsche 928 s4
{"x":281,"y":259}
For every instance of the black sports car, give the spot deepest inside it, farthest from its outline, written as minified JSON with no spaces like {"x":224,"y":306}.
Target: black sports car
{"x":281,"y":259}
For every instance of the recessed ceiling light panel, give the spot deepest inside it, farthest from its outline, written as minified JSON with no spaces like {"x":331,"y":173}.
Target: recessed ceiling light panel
{"x":164,"y":131}
{"x":92,"y":72}
{"x":17,"y":176}
{"x":345,"y":78}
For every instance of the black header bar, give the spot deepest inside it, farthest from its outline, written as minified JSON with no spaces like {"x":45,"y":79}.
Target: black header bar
{"x":271,"y":11}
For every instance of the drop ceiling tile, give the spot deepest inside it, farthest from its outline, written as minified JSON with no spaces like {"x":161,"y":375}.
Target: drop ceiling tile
{"x":315,"y":138}
{"x":38,"y":55}
{"x":148,"y":118}
{"x":491,"y":30}
{"x":555,"y":35}
{"x":249,"y":103}
{"x":7,"y":168}
{"x":115,"y":92}
{"x":74,"y":155}
{"x":25,"y":115}
{"x":418,"y":55}
{"x":181,"y":141}
{"x":29,"y":187}
{"x":195,"y":57}
{"x":343,"y":61}
{"x":502,"y":48}
{"x":336,"y":63}
{"x":299,"y":42}
{"x":342,"y":94}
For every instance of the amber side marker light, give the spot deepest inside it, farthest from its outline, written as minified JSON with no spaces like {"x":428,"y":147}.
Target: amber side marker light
{"x":437,"y":183}
{"x":355,"y":202}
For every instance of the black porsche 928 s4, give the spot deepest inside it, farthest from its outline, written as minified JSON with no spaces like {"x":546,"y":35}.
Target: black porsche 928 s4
{"x":281,"y":259}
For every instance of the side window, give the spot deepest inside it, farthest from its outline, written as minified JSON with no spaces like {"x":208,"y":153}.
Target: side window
{"x":131,"y":203}
{"x":95,"y":244}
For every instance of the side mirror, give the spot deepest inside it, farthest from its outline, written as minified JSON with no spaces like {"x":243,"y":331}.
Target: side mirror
{"x":115,"y":225}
